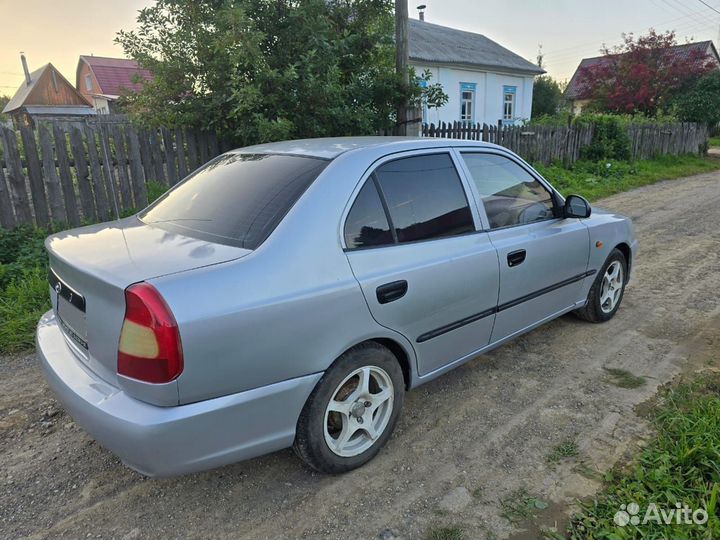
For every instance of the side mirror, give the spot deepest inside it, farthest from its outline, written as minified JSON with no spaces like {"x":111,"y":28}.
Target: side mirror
{"x":576,"y":207}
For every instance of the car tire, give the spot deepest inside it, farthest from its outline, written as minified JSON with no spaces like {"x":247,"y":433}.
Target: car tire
{"x":352,"y":411}
{"x":607,"y":290}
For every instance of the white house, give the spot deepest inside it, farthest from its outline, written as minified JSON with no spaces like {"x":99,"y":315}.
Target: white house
{"x":484,"y":81}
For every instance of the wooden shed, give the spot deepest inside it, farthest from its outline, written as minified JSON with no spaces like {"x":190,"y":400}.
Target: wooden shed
{"x":46,"y":94}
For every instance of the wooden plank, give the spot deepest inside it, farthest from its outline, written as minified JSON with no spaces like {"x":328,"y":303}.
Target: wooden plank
{"x":213,"y":148}
{"x":146,"y":155}
{"x":52,"y":180}
{"x":157,"y":158}
{"x":102,"y":191}
{"x":34,"y":171}
{"x":7,"y":216}
{"x":126,"y":199}
{"x":87,"y":202}
{"x":181,"y":154}
{"x":170,"y":159}
{"x":16,"y":178}
{"x":203,"y":147}
{"x":137,"y":174}
{"x":66,"y":181}
{"x":191,"y":141}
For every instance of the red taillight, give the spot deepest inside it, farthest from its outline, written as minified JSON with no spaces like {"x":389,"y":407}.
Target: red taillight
{"x":149,"y":348}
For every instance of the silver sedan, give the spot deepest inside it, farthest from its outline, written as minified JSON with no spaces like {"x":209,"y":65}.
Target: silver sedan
{"x":288,"y":294}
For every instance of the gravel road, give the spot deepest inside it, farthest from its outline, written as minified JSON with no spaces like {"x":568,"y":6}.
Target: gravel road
{"x":467,"y":445}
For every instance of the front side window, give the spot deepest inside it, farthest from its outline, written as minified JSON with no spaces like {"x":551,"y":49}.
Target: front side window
{"x":509,"y":102}
{"x":236,"y":199}
{"x":425,"y":197}
{"x":510,"y":195}
{"x":88,"y":83}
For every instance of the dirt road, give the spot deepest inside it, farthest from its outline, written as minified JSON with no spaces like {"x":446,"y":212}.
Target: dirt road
{"x":469,"y":446}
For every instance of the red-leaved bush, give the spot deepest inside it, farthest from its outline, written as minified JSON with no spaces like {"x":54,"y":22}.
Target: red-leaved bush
{"x":643,"y":73}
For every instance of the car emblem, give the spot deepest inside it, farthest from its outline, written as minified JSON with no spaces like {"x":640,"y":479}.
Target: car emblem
{"x":58,"y":287}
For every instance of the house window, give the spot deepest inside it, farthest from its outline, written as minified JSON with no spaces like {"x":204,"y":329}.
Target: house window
{"x":467,"y":102}
{"x":509,"y":102}
{"x":88,"y":83}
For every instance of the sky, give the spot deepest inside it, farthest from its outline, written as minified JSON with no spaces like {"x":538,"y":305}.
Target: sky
{"x":60,"y":31}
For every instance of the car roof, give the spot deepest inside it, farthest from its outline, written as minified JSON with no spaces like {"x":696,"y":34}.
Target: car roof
{"x":331,"y":147}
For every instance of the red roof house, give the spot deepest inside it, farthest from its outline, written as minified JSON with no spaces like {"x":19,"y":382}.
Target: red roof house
{"x":578,"y":92}
{"x":103,"y":80}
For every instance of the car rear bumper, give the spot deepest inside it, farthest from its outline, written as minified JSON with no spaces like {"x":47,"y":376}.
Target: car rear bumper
{"x":166,"y":441}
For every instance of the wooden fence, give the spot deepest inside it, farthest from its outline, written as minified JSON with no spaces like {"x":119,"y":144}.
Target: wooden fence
{"x":547,"y":144}
{"x":98,"y":170}
{"x":91,"y":172}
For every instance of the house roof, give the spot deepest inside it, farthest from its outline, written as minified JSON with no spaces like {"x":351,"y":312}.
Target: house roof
{"x":24,"y":91}
{"x":442,"y":45}
{"x":34,"y":94}
{"x":576,"y":87}
{"x":114,"y":75}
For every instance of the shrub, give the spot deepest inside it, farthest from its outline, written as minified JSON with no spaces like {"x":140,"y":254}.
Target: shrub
{"x":610,"y":139}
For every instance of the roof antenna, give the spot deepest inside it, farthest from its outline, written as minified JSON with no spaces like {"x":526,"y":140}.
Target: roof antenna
{"x":421,"y":11}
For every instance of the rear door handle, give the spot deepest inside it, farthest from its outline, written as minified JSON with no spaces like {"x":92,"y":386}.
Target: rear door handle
{"x":516,"y":257}
{"x":389,"y":292}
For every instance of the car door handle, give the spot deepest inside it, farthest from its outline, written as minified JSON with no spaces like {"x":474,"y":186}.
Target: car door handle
{"x":391,"y":291}
{"x":516,"y":257}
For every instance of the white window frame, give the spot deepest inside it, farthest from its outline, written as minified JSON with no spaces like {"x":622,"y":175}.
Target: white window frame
{"x":511,"y":92}
{"x":88,"y":82}
{"x":471,"y":88}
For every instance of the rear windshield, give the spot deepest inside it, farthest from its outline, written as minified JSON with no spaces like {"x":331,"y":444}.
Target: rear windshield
{"x":236,"y":199}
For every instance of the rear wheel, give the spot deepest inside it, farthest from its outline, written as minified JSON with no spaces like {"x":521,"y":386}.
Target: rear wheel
{"x":352,"y":411}
{"x":607,"y":290}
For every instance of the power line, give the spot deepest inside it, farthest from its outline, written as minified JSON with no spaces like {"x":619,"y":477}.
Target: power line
{"x":703,"y":2}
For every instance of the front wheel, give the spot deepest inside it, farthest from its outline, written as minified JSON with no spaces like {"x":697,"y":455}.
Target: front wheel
{"x":352,"y":411}
{"x":607,"y":290}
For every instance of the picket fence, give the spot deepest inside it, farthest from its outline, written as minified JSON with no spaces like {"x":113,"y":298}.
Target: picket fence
{"x":548,"y":144}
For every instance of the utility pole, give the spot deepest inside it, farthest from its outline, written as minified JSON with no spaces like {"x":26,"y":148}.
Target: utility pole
{"x":401,"y":59}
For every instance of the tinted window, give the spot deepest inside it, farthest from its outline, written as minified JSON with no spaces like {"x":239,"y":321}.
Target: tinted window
{"x":425,"y":197}
{"x":236,"y":199}
{"x":510,"y":195}
{"x":366,"y":223}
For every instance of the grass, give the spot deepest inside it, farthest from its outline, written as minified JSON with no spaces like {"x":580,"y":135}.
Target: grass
{"x":24,"y":294}
{"x":596,"y":180}
{"x":624,"y":379}
{"x":714,"y":142}
{"x":563,"y":450}
{"x":520,"y":506}
{"x":681,"y":464}
{"x":446,"y":533}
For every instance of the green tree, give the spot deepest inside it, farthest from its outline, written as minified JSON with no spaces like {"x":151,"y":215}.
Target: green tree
{"x":4,"y":101}
{"x":263,"y":70}
{"x":700,"y":101}
{"x":547,"y":96}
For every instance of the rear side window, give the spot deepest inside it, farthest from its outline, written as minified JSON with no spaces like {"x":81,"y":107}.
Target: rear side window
{"x":367,"y":224}
{"x":236,"y":199}
{"x":425,"y":197}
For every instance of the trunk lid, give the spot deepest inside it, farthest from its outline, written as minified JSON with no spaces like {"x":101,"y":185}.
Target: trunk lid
{"x":91,"y":267}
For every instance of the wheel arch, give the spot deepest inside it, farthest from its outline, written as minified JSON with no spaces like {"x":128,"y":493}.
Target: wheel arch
{"x":625,"y":250}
